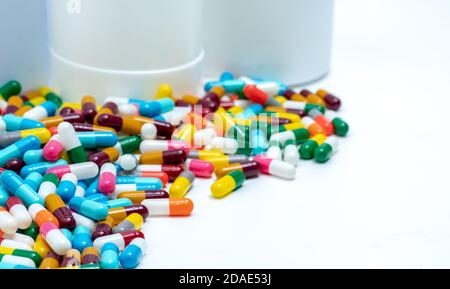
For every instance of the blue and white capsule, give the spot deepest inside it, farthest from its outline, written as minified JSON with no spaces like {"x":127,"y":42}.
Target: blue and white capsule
{"x":81,"y":238}
{"x":156,"y":107}
{"x":17,"y":187}
{"x":90,"y":140}
{"x":17,"y":149}
{"x":67,"y":187}
{"x":43,"y":110}
{"x":110,"y":256}
{"x":132,"y":255}
{"x":90,"y":209}
{"x":14,"y":123}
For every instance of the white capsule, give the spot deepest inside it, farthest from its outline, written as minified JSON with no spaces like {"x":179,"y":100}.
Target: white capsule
{"x":282,"y":169}
{"x":270,"y":88}
{"x":290,"y":104}
{"x":128,"y":162}
{"x":19,"y":238}
{"x":84,"y":171}
{"x":46,"y":188}
{"x":116,"y":239}
{"x":15,"y":244}
{"x":226,"y":145}
{"x":68,"y":136}
{"x":2,"y":124}
{"x":274,"y":152}
{"x":83,"y":221}
{"x":204,"y":137}
{"x":117,"y":100}
{"x":36,"y":113}
{"x":157,"y":207}
{"x":161,"y":145}
{"x":8,"y":224}
{"x":16,"y":260}
{"x":283,"y":137}
{"x":291,"y":154}
{"x":20,"y":213}
{"x":149,"y":131}
{"x":128,"y":109}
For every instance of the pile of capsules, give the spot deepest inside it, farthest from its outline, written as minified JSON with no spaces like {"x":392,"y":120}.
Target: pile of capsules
{"x":78,"y":180}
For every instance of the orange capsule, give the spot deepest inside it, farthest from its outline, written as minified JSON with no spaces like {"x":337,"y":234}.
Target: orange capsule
{"x":41,"y":215}
{"x":138,"y":196}
{"x":313,"y":127}
{"x":174,"y":207}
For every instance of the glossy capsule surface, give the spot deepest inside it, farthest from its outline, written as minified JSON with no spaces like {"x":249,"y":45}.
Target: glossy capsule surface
{"x":227,"y":184}
{"x":133,"y":253}
{"x":88,"y":208}
{"x":182,"y":184}
{"x":250,"y":169}
{"x":138,"y":196}
{"x":173,"y":157}
{"x":175,"y":207}
{"x":132,"y":222}
{"x":120,"y":214}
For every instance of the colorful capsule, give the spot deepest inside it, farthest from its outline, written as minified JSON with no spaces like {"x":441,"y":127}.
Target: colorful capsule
{"x":156,"y":107}
{"x":290,"y":153}
{"x":22,"y":253}
{"x":54,"y":121}
{"x":138,"y":196}
{"x":33,"y":157}
{"x":133,"y":253}
{"x":87,"y":127}
{"x":218,"y":162}
{"x":81,"y":238}
{"x":14,"y":123}
{"x":165,"y":129}
{"x":299,"y":135}
{"x":173,"y":157}
{"x":332,"y":102}
{"x":149,"y":131}
{"x":71,"y":259}
{"x":17,"y":149}
{"x":20,"y":213}
{"x":57,"y":207}
{"x":107,"y":179}
{"x":199,"y":168}
{"x":17,"y":187}
{"x":41,"y":111}
{"x":227,"y":184}
{"x":162,"y":145}
{"x":128,"y":162}
{"x":109,"y":256}
{"x":325,"y":151}
{"x":276,"y":168}
{"x":182,"y":185}
{"x":71,"y":143}
{"x":120,"y":239}
{"x":88,"y":208}
{"x":307,"y":149}
{"x":173,"y":171}
{"x":55,"y":238}
{"x":41,"y":215}
{"x":124,"y":146}
{"x":132,"y":222}
{"x":15,"y":165}
{"x":341,"y":127}
{"x":250,"y":169}
{"x":41,"y":247}
{"x":324,"y":122}
{"x":124,"y":124}
{"x":88,"y":108}
{"x":19,"y":238}
{"x":103,"y":228}
{"x":32,"y":232}
{"x":53,"y":149}
{"x":312,"y":98}
{"x":16,"y":261}
{"x":117,"y":203}
{"x":120,"y":214}
{"x":41,"y":168}
{"x":307,"y":107}
{"x":34,"y":180}
{"x":174,"y":207}
{"x":67,"y":187}
{"x":9,"y":138}
{"x":9,"y":89}
{"x":8,"y":223}
{"x":83,"y":171}
{"x":90,"y":255}
{"x":313,"y":127}
{"x":128,"y":184}
{"x":50,"y":261}
{"x":97,"y":139}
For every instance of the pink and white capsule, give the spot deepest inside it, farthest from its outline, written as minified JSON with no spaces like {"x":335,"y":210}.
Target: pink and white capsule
{"x":82,"y":171}
{"x":8,"y":223}
{"x":53,"y":149}
{"x":107,"y":179}
{"x":162,"y":145}
{"x":18,"y":210}
{"x":276,"y":168}
{"x":55,"y":238}
{"x":199,"y":168}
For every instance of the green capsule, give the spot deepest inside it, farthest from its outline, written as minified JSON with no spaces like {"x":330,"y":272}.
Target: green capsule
{"x":310,"y":106}
{"x":341,"y":128}
{"x":307,"y":149}
{"x":129,"y":144}
{"x":324,"y":152}
{"x":57,"y":100}
{"x":301,"y":135}
{"x":28,"y":103}
{"x":9,"y":89}
{"x":32,"y":231}
{"x":26,"y":254}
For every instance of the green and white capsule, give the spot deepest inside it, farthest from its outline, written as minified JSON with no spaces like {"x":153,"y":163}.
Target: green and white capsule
{"x":299,"y":135}
{"x":341,"y":127}
{"x":275,"y":150}
{"x":71,"y":143}
{"x":291,"y":154}
{"x":324,"y":152}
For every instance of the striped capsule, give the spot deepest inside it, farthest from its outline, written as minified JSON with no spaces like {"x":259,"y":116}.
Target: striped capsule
{"x":103,"y":228}
{"x":8,"y":223}
{"x":132,"y":254}
{"x":250,"y":169}
{"x":90,"y":255}
{"x":67,"y":187}
{"x":290,"y":153}
{"x":227,"y":184}
{"x":71,"y":143}
{"x":107,"y":179}
{"x":173,"y":171}
{"x":137,"y":197}
{"x":41,"y":247}
{"x":88,"y":208}
{"x":173,"y":157}
{"x":55,"y":238}
{"x":132,"y":222}
{"x":121,"y":240}
{"x":174,"y":207}
{"x":19,"y":212}
{"x":81,"y":238}
{"x":276,"y":168}
{"x":182,"y":185}
{"x":50,"y":261}
{"x":325,"y":151}
{"x":110,"y":256}
{"x":120,"y":214}
{"x":307,"y":149}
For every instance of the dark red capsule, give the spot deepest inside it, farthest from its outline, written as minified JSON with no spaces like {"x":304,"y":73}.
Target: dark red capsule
{"x":73,"y":118}
{"x":100,"y":158}
{"x":109,"y":120}
{"x":88,"y":108}
{"x":66,"y":110}
{"x":289,"y":93}
{"x":102,"y":229}
{"x":15,"y":165}
{"x":65,"y":218}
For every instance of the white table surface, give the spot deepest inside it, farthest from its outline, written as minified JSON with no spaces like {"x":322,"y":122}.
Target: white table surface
{"x":383,"y":200}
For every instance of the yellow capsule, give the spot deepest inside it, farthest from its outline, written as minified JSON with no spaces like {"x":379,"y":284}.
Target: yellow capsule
{"x":32,"y":94}
{"x":290,"y":116}
{"x":41,"y":247}
{"x":191,"y":99}
{"x":205,"y":155}
{"x":235,"y":110}
{"x":23,"y":110}
{"x":42,"y":134}
{"x":315,"y":99}
{"x":6,"y":251}
{"x":182,"y":185}
{"x":15,"y":100}
{"x":280,"y":99}
{"x":223,"y":187}
{"x":319,"y":138}
{"x":44,"y":90}
{"x":73,"y":105}
{"x":164,"y":91}
{"x":133,"y":222}
{"x":218,"y":90}
{"x":298,"y":97}
{"x":293,"y":126}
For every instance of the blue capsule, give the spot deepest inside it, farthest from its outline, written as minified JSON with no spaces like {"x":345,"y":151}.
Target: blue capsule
{"x":33,"y":157}
{"x":14,"y":123}
{"x":81,"y":238}
{"x":68,"y":234}
{"x":132,"y":254}
{"x":17,"y":187}
{"x":17,"y":149}
{"x":110,"y":256}
{"x":156,"y":107}
{"x":226,"y":76}
{"x":93,"y":188}
{"x":34,"y":180}
{"x":90,"y":209}
{"x":258,"y":141}
{"x":4,"y":195}
{"x":118,"y":203}
{"x":67,"y":187}
{"x":41,"y":168}
{"x":100,"y":198}
{"x":96,"y":139}
{"x":251,"y":111}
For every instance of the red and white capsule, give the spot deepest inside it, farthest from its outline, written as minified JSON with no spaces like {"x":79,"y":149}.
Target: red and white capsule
{"x":8,"y":223}
{"x":120,"y":239}
{"x":18,"y":210}
{"x":276,"y":168}
{"x":162,"y":145}
{"x":107,"y":179}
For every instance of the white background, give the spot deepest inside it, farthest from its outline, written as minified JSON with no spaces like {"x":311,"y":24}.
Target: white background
{"x":383,"y":201}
